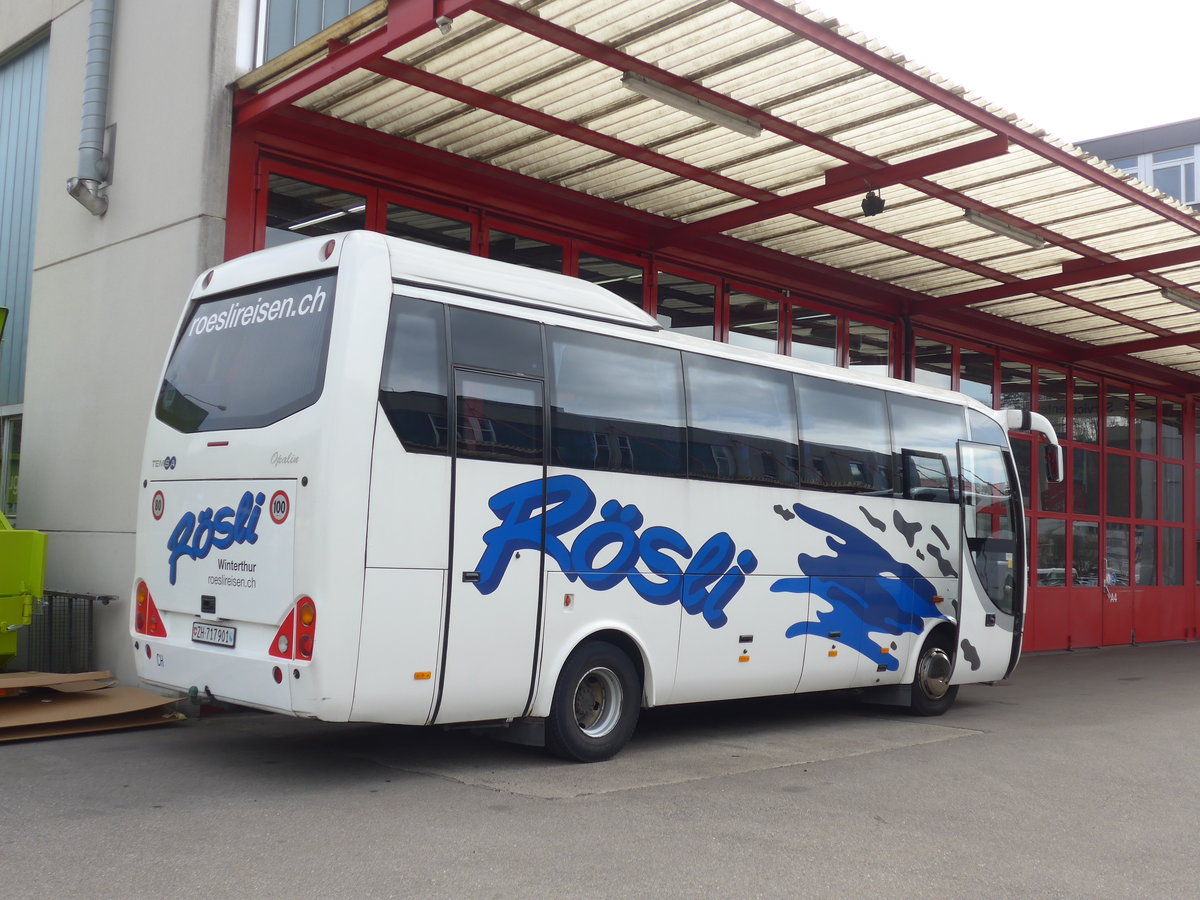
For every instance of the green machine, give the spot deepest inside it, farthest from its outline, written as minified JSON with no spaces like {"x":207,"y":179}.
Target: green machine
{"x":22,"y":573}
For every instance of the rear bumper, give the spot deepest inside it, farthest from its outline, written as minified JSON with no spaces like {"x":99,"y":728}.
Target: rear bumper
{"x":247,"y":681}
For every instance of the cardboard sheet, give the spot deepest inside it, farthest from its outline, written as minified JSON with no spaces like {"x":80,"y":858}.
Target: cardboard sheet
{"x":48,"y":679}
{"x":40,"y":708}
{"x":137,"y":719}
{"x":74,"y":687}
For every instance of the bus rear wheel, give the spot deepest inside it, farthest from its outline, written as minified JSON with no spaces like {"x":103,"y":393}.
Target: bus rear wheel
{"x":596,"y":704}
{"x":932,"y":692}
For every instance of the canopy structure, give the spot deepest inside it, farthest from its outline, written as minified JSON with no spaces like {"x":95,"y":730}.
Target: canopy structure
{"x":752,"y":131}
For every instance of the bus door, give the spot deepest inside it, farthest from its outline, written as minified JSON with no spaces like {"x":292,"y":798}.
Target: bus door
{"x":992,"y":593}
{"x":495,"y":594}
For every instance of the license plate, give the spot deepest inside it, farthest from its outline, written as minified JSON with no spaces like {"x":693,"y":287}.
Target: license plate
{"x":221,"y":635}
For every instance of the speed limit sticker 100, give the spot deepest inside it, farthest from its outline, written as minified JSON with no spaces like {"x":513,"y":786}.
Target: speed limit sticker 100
{"x":280,"y":507}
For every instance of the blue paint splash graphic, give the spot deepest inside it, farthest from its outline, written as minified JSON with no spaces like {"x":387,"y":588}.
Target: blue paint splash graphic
{"x":870,"y":591}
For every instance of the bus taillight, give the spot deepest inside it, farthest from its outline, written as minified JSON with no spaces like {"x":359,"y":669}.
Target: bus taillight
{"x":295,"y":637}
{"x":306,"y":627}
{"x":282,"y":645}
{"x":146,"y":619}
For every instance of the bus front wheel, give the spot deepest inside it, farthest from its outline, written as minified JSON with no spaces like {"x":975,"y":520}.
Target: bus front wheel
{"x":596,"y":704}
{"x":932,"y":692}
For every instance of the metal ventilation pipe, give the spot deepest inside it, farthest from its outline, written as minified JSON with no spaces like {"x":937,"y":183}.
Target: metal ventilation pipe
{"x":87,"y":186}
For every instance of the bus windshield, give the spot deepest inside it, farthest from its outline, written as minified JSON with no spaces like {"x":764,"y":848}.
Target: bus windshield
{"x":249,"y":359}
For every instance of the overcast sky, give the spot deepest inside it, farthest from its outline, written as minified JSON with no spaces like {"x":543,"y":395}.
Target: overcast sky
{"x":1077,"y":69}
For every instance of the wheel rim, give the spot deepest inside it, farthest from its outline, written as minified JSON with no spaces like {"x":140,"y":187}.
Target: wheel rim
{"x":598,"y":700}
{"x":933,"y":673}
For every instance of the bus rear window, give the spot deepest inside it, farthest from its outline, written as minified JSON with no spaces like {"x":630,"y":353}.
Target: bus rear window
{"x":250,"y":359}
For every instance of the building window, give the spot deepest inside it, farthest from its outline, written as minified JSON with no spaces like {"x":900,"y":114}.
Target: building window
{"x":285,"y":23}
{"x":975,"y":374}
{"x":869,"y":348}
{"x":1086,"y":420}
{"x":1051,"y":553}
{"x":428,"y":228}
{"x":1174,"y":173}
{"x":525,"y":251}
{"x":299,"y":209}
{"x":621,"y":278}
{"x":1171,"y":171}
{"x":814,"y":335}
{"x":1052,"y":399}
{"x":686,"y":305}
{"x":753,"y":322}
{"x":1085,"y":554}
{"x":1016,"y":385}
{"x":933,"y":363}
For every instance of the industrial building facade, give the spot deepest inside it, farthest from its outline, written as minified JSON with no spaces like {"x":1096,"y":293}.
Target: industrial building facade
{"x":718,"y":163}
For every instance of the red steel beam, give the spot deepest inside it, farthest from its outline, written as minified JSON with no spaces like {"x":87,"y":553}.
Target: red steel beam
{"x":786,"y":18}
{"x":840,"y":187}
{"x":1076,"y":275}
{"x":406,"y":19}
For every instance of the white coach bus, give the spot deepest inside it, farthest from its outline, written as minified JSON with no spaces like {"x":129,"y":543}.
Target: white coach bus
{"x":386,"y":482}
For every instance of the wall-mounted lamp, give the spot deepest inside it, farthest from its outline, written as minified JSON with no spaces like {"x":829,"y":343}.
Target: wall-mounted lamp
{"x":656,"y":90}
{"x":873,"y":204}
{"x":1179,"y":296}
{"x":1003,"y":229}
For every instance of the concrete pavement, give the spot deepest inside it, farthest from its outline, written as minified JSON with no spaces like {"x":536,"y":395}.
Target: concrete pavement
{"x":1078,"y":778}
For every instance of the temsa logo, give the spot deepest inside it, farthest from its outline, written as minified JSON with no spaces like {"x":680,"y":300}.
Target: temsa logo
{"x":196,"y":534}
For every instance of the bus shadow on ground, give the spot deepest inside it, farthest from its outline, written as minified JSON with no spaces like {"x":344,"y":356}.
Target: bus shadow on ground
{"x":672,"y":745}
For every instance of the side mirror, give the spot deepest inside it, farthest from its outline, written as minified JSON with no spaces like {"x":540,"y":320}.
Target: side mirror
{"x":1052,"y":454}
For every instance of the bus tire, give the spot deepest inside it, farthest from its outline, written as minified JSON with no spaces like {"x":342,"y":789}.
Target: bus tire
{"x":596,"y":704}
{"x":932,"y":692}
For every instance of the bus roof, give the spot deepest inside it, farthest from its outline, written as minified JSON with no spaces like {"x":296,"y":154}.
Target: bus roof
{"x":437,"y":267}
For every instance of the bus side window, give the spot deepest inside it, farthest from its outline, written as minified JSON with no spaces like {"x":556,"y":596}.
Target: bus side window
{"x":925,"y":434}
{"x":741,"y":422}
{"x":413,"y":389}
{"x":483,"y":340}
{"x":844,"y":443}
{"x":616,"y":405}
{"x":985,"y":429}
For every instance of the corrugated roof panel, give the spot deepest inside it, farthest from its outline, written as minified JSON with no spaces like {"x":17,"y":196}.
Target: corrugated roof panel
{"x":897,"y":266}
{"x":1141,"y":241}
{"x":1143,"y":306}
{"x":1111,"y":334}
{"x":1078,"y":329}
{"x":1006,"y":180}
{"x":1110,"y":293}
{"x":1173,"y":357}
{"x":1017,"y":306}
{"x":808,"y":241}
{"x":860,"y":260}
{"x":945,"y":280}
{"x":1052,"y":319}
{"x":1180,"y":322}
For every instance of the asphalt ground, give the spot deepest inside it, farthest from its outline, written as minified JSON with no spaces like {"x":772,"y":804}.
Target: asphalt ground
{"x":1080,"y":777}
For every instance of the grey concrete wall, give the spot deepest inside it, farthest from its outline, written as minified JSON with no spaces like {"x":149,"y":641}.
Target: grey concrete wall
{"x":108,"y":291}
